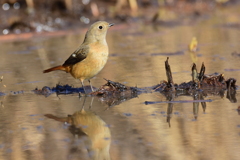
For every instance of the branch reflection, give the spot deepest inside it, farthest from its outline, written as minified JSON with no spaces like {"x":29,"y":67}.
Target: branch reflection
{"x":198,"y":97}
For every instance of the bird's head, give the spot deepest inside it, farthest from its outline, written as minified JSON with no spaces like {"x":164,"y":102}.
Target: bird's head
{"x":97,"y":31}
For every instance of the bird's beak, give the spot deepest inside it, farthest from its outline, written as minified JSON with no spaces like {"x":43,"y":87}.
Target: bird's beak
{"x":111,"y":24}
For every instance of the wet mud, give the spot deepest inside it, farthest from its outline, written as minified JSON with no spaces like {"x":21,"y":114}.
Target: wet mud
{"x":113,"y":93}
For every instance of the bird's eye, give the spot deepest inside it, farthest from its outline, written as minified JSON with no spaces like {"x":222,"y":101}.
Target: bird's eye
{"x":100,"y":27}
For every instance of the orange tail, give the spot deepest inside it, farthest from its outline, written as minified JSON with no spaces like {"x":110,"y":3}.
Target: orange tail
{"x":54,"y":69}
{"x":63,"y":119}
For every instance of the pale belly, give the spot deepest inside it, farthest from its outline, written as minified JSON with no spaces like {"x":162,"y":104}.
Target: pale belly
{"x":89,"y":67}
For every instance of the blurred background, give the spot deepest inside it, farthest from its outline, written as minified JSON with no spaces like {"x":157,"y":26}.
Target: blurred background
{"x":17,"y":16}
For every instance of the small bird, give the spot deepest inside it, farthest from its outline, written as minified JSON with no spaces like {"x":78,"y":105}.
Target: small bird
{"x":90,"y":57}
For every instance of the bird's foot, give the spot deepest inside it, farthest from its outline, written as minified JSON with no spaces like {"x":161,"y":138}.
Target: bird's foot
{"x":80,"y":94}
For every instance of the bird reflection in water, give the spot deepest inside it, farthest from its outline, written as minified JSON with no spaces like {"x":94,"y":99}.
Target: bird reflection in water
{"x":91,"y":134}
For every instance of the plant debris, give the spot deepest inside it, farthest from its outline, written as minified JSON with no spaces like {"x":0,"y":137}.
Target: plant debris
{"x":113,"y":93}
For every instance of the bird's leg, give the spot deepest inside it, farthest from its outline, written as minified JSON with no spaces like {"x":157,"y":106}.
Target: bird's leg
{"x":90,"y":85}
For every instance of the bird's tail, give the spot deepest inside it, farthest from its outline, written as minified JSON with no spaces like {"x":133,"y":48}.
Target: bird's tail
{"x":60,"y":119}
{"x":54,"y":69}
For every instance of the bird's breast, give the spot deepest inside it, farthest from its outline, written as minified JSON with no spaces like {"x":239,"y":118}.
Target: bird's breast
{"x":92,"y":64}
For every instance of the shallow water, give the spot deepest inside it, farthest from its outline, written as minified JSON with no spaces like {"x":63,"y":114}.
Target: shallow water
{"x":137,"y":131}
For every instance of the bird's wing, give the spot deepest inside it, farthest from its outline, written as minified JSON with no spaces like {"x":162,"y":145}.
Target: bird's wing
{"x":77,"y":56}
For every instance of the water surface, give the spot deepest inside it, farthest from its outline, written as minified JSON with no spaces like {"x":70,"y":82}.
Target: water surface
{"x":137,"y":131}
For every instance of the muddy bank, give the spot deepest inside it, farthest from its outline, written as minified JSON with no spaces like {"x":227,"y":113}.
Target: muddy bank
{"x":113,"y":93}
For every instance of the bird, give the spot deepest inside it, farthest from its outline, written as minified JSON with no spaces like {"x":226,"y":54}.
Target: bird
{"x":90,"y":57}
